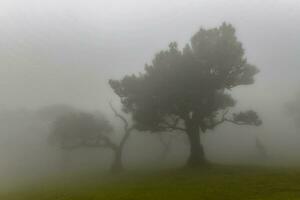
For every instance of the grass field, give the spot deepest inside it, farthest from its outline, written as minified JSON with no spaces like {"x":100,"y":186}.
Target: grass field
{"x":218,"y":183}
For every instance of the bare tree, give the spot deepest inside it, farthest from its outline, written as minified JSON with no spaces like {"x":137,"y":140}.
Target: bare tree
{"x":127,"y":128}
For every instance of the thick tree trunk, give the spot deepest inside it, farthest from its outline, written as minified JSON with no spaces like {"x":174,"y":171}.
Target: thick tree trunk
{"x":196,"y":157}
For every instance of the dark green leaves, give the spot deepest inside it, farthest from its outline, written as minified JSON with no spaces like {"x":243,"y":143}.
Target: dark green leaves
{"x":194,"y":80}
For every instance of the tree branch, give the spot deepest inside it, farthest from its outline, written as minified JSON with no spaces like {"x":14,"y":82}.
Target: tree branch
{"x":121,"y":117}
{"x":173,"y":126}
{"x":127,"y":129}
{"x":224,"y":119}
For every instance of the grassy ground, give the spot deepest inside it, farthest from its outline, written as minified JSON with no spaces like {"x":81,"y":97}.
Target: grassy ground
{"x":219,"y":183}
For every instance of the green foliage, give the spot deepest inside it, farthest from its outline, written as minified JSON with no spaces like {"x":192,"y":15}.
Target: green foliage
{"x":249,"y":117}
{"x":190,"y":83}
{"x":80,"y":129}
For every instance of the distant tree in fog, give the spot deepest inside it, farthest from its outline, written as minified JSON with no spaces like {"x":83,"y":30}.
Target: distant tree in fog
{"x":52,"y":112}
{"x":189,"y":90}
{"x":293,"y":109}
{"x":79,"y":129}
{"x":262,"y":151}
{"x":127,"y":129}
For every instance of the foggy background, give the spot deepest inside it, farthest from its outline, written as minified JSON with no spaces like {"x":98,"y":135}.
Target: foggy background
{"x":64,"y":52}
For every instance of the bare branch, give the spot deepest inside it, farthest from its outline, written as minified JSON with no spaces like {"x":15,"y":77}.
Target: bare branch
{"x":224,"y":119}
{"x":127,"y":129}
{"x":173,"y":125}
{"x":121,"y":117}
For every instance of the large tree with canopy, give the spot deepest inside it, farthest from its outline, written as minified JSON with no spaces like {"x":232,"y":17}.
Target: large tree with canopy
{"x":189,"y":89}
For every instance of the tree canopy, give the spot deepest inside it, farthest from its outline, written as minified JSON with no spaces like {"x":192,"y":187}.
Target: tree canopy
{"x":81,"y":129}
{"x":189,"y":89}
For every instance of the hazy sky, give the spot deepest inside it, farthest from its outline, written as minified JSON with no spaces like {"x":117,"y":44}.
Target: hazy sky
{"x":64,"y":51}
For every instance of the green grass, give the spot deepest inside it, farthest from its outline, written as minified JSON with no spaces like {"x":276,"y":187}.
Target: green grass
{"x":217,"y":183}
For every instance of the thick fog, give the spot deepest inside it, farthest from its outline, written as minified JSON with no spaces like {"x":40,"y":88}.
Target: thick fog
{"x":64,"y":52}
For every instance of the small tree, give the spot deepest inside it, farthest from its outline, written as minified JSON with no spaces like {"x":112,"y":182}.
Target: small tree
{"x":188,"y":89}
{"x":127,"y":130}
{"x":117,"y":165}
{"x":292,"y":108}
{"x":79,"y":129}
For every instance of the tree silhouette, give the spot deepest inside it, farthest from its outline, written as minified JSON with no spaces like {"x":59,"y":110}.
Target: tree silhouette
{"x":189,"y":89}
{"x":292,"y":108}
{"x":78,"y":129}
{"x":117,"y":165}
{"x":127,"y":130}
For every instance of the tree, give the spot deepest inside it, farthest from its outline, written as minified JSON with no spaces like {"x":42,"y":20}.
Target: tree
{"x":127,"y":130}
{"x":261,"y":149}
{"x":292,"y":108}
{"x":74,"y":129}
{"x":51,"y":112}
{"x":189,"y":89}
{"x":78,"y":129}
{"x":117,"y":165}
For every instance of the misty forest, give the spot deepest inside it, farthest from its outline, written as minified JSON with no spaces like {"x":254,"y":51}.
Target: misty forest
{"x":150,"y":100}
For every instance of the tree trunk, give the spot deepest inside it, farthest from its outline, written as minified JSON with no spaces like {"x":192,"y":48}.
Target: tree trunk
{"x":196,"y":157}
{"x":117,"y":164}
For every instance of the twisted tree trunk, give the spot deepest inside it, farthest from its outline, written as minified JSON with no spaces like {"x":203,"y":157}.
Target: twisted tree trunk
{"x":117,"y":164}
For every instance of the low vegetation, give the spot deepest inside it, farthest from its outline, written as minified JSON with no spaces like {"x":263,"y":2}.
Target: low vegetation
{"x":214,"y":183}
